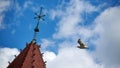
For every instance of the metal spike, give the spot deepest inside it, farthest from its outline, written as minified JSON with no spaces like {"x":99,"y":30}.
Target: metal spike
{"x":41,"y":10}
{"x":36,"y":14}
{"x":43,"y":15}
{"x":45,"y":62}
{"x":15,"y":55}
{"x":9,"y":62}
{"x":39,"y":46}
{"x":35,"y":17}
{"x":42,"y":53}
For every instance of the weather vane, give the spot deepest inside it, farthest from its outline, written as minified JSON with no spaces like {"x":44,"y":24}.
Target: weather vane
{"x":39,"y":16}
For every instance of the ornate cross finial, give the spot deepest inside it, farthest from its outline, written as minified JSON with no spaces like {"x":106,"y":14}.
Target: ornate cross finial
{"x":39,"y":16}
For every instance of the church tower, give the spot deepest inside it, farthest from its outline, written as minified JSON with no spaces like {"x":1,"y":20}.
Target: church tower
{"x":30,"y":56}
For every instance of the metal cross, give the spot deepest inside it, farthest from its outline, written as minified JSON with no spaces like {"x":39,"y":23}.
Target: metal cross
{"x":39,"y":16}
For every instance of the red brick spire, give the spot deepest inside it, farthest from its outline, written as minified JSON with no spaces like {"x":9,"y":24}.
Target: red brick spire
{"x":29,"y":57}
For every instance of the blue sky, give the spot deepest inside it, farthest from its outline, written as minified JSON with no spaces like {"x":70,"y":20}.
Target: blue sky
{"x":19,"y":21}
{"x":94,"y":21}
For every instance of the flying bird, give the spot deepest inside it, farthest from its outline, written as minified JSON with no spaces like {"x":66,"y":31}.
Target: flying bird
{"x":81,"y":45}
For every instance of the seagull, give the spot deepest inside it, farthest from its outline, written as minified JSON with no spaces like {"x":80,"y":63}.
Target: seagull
{"x":81,"y":45}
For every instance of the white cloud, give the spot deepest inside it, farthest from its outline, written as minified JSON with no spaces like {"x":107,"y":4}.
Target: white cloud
{"x":106,"y":25}
{"x":108,"y":45}
{"x":71,"y":57}
{"x":70,"y":18}
{"x":49,"y":56}
{"x":3,"y":7}
{"x":68,"y":28}
{"x":6,"y":55}
{"x":45,"y":43}
{"x":27,"y":4}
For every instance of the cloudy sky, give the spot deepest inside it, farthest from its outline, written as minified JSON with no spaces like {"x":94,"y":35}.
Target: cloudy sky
{"x":95,"y":22}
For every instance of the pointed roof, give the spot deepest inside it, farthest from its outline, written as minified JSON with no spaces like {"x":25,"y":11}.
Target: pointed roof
{"x":29,"y":57}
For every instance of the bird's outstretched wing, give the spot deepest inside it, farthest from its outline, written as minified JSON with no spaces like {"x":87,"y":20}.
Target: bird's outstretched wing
{"x":81,"y":45}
